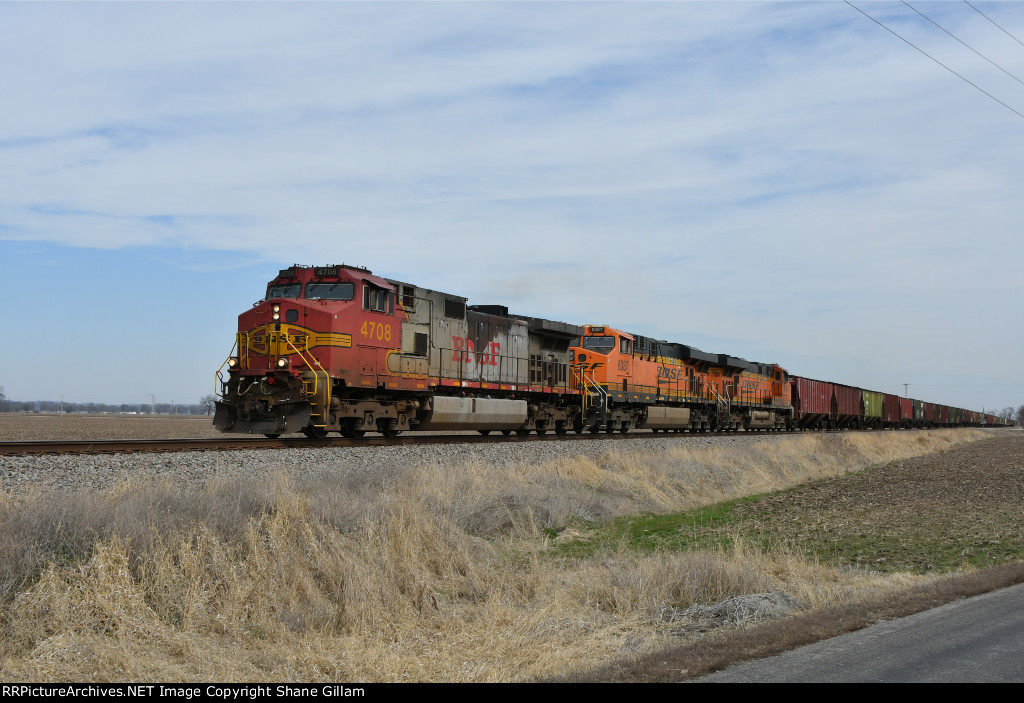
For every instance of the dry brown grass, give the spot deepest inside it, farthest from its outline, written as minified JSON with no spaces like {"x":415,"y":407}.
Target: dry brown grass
{"x":437,"y":574}
{"x":16,"y":427}
{"x":770,"y":638}
{"x":486,"y":499}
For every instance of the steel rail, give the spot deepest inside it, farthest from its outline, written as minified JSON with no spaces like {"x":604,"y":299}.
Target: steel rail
{"x":115,"y":446}
{"x":118,"y":446}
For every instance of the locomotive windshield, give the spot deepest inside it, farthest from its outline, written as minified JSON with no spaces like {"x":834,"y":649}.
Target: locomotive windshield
{"x":342,"y":290}
{"x":599,"y":344}
{"x":284,"y":290}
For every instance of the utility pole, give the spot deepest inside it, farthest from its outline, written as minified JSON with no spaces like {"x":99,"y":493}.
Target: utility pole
{"x":906,"y":390}
{"x":152,"y":404}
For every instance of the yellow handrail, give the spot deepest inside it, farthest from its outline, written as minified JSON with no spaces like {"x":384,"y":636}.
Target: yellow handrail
{"x":316,"y":377}
{"x":243,"y":361}
{"x":217,"y":379}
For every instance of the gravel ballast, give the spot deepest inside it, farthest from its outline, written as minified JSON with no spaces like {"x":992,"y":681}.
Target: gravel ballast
{"x":197,"y":468}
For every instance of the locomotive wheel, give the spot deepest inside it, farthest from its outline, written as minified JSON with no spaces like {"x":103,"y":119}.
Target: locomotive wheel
{"x":484,"y":432}
{"x":624,"y":429}
{"x":388,"y":428}
{"x":560,"y":427}
{"x":506,"y":432}
{"x":348,"y":429}
{"x":272,"y":436}
{"x":314,"y":432}
{"x":522,"y":432}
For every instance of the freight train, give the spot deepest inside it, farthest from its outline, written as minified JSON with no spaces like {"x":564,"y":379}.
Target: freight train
{"x":338,"y":349}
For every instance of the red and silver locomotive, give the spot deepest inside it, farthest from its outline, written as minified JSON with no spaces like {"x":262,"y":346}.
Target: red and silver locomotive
{"x":336,"y":348}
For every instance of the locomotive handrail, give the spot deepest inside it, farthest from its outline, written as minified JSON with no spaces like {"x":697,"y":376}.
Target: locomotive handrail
{"x":243,"y":362}
{"x":316,"y":378}
{"x":590,"y":387}
{"x":478,"y":366}
{"x":720,"y":400}
{"x":303,"y":356}
{"x":218,"y":380}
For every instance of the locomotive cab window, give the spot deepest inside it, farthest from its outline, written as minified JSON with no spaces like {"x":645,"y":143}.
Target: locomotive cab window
{"x":377,"y":299}
{"x":341,"y":290}
{"x":625,"y":346}
{"x":284,"y":290}
{"x":601,"y":345}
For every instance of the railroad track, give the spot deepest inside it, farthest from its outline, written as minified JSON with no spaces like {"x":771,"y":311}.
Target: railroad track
{"x":116,"y":446}
{"x":119,"y":446}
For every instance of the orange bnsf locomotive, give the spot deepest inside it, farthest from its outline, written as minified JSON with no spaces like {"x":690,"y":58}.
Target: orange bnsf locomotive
{"x":634,"y":381}
{"x":337,"y":349}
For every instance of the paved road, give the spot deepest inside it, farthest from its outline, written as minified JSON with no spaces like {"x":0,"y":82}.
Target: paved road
{"x":980,"y":639}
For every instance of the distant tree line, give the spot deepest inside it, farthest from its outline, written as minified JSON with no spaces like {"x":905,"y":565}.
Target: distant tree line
{"x":205,"y":406}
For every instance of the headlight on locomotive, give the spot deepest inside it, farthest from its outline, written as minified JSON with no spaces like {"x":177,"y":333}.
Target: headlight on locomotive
{"x":282,"y":362}
{"x":233,"y":362}
{"x":277,"y":312}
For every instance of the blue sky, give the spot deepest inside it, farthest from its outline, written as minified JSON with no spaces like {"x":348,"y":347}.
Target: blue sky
{"x":779,"y":181}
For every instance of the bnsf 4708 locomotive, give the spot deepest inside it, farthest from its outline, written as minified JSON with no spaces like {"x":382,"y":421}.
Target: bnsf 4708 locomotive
{"x":337,"y":349}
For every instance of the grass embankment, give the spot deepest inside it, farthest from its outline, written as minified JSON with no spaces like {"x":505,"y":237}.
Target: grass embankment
{"x":454,"y":573}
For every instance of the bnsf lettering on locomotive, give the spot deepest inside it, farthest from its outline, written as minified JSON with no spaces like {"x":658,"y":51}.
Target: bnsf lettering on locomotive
{"x":490,"y":357}
{"x":669,"y":373}
{"x":465,"y":352}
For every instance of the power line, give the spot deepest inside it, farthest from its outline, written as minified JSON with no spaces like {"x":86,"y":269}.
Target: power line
{"x":962,"y":42}
{"x":958,"y":385}
{"x":934,"y":59}
{"x":993,"y":22}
